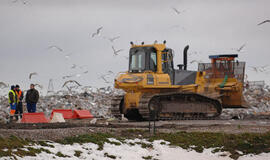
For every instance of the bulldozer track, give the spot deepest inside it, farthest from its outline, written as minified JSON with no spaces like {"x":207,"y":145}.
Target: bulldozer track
{"x":145,"y":112}
{"x":115,"y":103}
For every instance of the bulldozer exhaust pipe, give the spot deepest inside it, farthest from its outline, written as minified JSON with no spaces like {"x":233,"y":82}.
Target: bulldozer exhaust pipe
{"x":185,"y":57}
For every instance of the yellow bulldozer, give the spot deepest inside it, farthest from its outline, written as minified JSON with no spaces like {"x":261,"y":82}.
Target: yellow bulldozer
{"x":154,"y":89}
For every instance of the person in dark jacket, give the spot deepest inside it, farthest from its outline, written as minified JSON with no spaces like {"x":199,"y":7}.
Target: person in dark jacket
{"x":12,"y":100}
{"x":31,"y":98}
{"x":19,"y":107}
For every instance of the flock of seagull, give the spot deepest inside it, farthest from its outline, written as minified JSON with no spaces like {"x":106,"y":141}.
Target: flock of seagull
{"x":103,"y":77}
{"x":116,"y":53}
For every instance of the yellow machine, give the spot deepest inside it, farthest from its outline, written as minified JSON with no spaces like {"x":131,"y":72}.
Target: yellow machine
{"x":155,"y":89}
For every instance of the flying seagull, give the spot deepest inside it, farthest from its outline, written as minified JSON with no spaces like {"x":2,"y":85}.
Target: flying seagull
{"x":239,"y":49}
{"x":176,"y":10}
{"x":263,"y":68}
{"x":3,"y":85}
{"x":264,"y":22}
{"x":67,"y":56}
{"x":32,"y":74}
{"x":104,"y":79}
{"x":71,"y":81}
{"x":193,"y":61}
{"x":24,"y":2}
{"x":110,"y":72}
{"x":115,"y":52}
{"x":73,"y":66}
{"x":56,"y":47}
{"x":114,"y":38}
{"x":97,"y":32}
{"x":38,"y":85}
{"x":256,"y":69}
{"x":64,"y":77}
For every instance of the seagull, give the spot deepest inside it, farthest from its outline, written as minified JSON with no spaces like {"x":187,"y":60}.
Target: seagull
{"x":263,"y":68}
{"x":73,"y":66}
{"x":64,"y":77}
{"x":114,"y":38}
{"x":24,"y":2}
{"x":104,"y":79}
{"x":97,"y":32}
{"x":71,"y":81}
{"x":193,"y":61}
{"x":239,"y":49}
{"x":176,"y":11}
{"x":115,"y":52}
{"x":256,"y":69}
{"x":3,"y":85}
{"x":264,"y":22}
{"x":67,"y":56}
{"x":56,"y":47}
{"x":38,"y":85}
{"x":110,"y":72}
{"x":32,"y":74}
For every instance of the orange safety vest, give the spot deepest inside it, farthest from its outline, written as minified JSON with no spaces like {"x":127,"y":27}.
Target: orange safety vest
{"x":19,"y":94}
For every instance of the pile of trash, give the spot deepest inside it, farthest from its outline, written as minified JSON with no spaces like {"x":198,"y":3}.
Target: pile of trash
{"x":257,"y":99}
{"x":97,"y":100}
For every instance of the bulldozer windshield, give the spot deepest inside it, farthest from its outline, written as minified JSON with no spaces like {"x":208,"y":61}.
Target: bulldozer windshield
{"x":142,"y":58}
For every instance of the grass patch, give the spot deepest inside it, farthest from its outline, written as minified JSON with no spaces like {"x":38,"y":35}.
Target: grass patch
{"x":109,"y":156}
{"x":10,"y":143}
{"x":162,"y":143}
{"x":145,"y":145}
{"x":248,"y":143}
{"x":45,"y":144}
{"x":60,"y":154}
{"x":147,"y":157}
{"x":97,"y":138}
{"x":236,"y":144}
{"x":77,"y":153}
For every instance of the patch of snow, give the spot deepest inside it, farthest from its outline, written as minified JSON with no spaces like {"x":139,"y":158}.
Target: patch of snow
{"x":161,"y":150}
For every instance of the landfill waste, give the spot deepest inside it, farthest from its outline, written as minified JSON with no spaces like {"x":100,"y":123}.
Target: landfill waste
{"x":257,"y":98}
{"x":98,"y":102}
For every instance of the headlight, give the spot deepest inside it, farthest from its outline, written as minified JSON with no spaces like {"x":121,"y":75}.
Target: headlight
{"x":150,"y":79}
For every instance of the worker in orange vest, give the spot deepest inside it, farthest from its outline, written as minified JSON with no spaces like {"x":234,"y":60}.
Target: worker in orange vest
{"x":12,"y":100}
{"x":19,"y":107}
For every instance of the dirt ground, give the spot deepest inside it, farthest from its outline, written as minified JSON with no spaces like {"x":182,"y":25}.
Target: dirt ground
{"x":54,"y":131}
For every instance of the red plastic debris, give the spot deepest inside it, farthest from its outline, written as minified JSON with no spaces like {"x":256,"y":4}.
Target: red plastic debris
{"x":34,"y":118}
{"x":67,"y":113}
{"x":83,"y":114}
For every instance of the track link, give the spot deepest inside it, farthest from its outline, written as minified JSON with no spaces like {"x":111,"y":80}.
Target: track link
{"x":146,"y":98}
{"x":115,"y":106}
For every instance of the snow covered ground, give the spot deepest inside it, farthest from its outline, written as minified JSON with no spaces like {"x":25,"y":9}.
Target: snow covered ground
{"x":131,"y":150}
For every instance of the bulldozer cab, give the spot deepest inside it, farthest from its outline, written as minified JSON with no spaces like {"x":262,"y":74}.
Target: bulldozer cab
{"x":142,"y":59}
{"x":145,"y":59}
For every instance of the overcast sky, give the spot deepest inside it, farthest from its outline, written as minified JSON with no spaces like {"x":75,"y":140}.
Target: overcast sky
{"x":209,"y":27}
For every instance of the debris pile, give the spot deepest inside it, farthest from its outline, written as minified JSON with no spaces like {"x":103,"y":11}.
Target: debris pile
{"x":97,"y":100}
{"x":257,"y":98}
